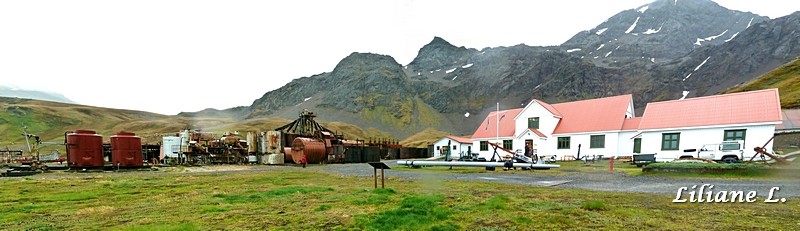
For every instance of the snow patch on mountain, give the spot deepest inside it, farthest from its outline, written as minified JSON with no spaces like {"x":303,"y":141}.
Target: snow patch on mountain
{"x":701,"y":64}
{"x":685,"y":93}
{"x":632,"y":26}
{"x":709,"y":38}
{"x":643,"y":9}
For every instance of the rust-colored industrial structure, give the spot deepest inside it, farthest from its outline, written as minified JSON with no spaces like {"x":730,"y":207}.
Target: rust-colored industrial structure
{"x":306,"y":141}
{"x":84,"y":149}
{"x":126,"y":150}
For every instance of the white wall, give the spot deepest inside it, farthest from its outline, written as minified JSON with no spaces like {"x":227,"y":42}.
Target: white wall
{"x":539,"y":144}
{"x":610,"y":149}
{"x":476,"y":146}
{"x":625,"y":143}
{"x":695,"y":138}
{"x":455,"y":153}
{"x":547,"y":123}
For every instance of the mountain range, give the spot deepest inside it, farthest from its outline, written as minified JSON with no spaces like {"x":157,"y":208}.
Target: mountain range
{"x":664,"y":50}
{"x":13,"y":92}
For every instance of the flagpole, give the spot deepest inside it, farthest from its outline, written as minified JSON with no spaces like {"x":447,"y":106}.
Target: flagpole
{"x":497,"y":124}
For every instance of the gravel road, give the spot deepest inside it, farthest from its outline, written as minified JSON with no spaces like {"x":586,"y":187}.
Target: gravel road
{"x":601,"y":181}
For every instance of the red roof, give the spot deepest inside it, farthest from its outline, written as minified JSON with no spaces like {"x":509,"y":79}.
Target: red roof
{"x":603,"y":114}
{"x":460,"y":139}
{"x":737,"y":108}
{"x":549,"y":108}
{"x":488,"y":129}
{"x":537,"y":132}
{"x":791,"y":120}
{"x":631,"y":124}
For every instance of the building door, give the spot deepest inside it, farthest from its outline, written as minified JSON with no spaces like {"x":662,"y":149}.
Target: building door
{"x":637,"y":145}
{"x":528,"y":148}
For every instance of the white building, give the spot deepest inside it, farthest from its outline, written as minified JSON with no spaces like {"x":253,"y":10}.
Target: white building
{"x":670,"y":127}
{"x":457,"y":146}
{"x":608,"y":126}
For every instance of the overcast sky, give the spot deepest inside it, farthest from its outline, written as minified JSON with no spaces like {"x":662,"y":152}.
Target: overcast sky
{"x":168,"y":56}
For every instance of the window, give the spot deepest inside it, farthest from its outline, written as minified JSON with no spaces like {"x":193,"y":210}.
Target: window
{"x":730,"y":146}
{"x":734,"y":134}
{"x":484,"y":145}
{"x":563,"y":142}
{"x":533,"y":122}
{"x":597,"y":141}
{"x":637,"y":145}
{"x":670,"y":141}
{"x":507,"y":144}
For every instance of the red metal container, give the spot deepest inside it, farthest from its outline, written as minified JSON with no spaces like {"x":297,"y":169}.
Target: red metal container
{"x":287,"y":155}
{"x":84,"y":149}
{"x":312,"y":149}
{"x":126,"y":150}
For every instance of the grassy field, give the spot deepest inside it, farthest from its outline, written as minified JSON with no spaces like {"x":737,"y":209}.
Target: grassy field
{"x":305,"y":200}
{"x":567,"y":167}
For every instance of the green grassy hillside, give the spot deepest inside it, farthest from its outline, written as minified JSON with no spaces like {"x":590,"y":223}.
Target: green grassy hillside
{"x":50,"y":120}
{"x":423,"y":138}
{"x":785,"y":78}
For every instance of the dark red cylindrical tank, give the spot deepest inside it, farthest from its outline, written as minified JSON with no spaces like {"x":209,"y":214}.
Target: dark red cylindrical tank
{"x":312,"y":149}
{"x":287,"y":155}
{"x":84,"y":149}
{"x":126,"y":150}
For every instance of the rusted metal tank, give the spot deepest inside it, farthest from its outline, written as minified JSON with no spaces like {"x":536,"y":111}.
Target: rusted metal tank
{"x":313,"y":149}
{"x":273,"y":142}
{"x":287,"y":155}
{"x":84,"y":149}
{"x":126,"y":150}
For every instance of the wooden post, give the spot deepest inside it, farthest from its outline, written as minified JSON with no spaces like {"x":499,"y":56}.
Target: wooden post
{"x":382,"y":186}
{"x":375,"y":176}
{"x":611,"y":164}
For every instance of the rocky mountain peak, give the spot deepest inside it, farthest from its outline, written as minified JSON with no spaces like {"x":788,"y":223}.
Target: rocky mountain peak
{"x":365,"y":59}
{"x":439,"y":54}
{"x":660,"y":31}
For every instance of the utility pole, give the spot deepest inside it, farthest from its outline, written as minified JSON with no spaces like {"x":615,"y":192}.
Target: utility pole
{"x":25,"y":133}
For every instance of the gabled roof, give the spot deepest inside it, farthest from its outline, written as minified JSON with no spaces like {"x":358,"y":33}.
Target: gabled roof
{"x":549,"y":108}
{"x":488,"y":129}
{"x":791,"y":119}
{"x":631,"y":124}
{"x":535,"y":131}
{"x":459,"y":139}
{"x":603,"y":114}
{"x":737,"y":108}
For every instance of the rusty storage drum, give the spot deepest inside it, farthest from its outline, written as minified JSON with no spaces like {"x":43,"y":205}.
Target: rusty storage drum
{"x":287,"y":157}
{"x":313,"y":149}
{"x":84,"y":149}
{"x":126,"y":150}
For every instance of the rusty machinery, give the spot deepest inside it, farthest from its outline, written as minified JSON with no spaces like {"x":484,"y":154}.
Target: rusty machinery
{"x":762,"y":152}
{"x":306,"y":139}
{"x":203,"y":148}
